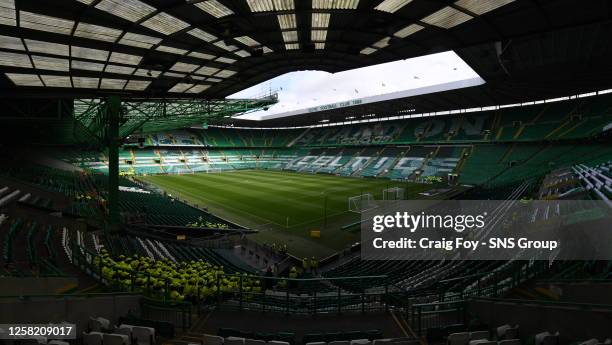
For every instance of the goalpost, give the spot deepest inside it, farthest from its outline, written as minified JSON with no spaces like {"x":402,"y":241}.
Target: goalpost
{"x":395,"y":193}
{"x":361,"y":203}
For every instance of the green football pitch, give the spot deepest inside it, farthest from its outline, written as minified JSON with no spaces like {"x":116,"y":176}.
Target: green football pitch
{"x":283,"y":206}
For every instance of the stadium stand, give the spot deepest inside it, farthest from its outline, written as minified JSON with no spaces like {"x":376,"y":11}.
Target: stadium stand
{"x":511,"y":142}
{"x":165,"y":268}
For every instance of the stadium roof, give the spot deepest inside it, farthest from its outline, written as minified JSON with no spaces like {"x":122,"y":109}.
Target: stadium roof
{"x":213,"y":48}
{"x":568,"y":61}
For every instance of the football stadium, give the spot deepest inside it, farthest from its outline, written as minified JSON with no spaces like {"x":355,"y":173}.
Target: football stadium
{"x":305,"y":172}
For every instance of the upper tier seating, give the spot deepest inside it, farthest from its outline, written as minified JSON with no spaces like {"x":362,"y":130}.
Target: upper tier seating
{"x":496,"y":148}
{"x":577,"y":118}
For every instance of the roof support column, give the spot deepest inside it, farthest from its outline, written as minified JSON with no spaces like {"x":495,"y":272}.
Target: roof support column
{"x":113,"y":109}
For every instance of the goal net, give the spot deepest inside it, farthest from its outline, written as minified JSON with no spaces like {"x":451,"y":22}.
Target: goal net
{"x":395,"y":193}
{"x":361,"y":203}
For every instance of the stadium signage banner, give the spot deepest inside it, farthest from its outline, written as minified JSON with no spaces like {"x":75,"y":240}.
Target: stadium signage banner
{"x":335,"y":105}
{"x":486,"y":230}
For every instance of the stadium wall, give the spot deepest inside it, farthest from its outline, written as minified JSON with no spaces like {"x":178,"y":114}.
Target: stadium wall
{"x":18,"y":286}
{"x":72,"y":309}
{"x":572,"y":321}
{"x":585,"y":291}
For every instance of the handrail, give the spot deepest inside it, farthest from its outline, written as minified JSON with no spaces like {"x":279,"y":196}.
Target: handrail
{"x":468,"y":276}
{"x":417,"y":313}
{"x":546,"y":302}
{"x":56,"y":272}
{"x":433,"y":304}
{"x":92,"y":294}
{"x":178,"y":227}
{"x":307,"y":279}
{"x":167,"y":304}
{"x":574,"y":280}
{"x":400,"y":288}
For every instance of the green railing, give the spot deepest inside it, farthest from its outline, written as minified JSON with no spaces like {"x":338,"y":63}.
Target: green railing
{"x":309,"y":296}
{"x":494,"y":283}
{"x":318,"y":295}
{"x":64,"y":296}
{"x":441,"y":314}
{"x":291,"y":296}
{"x":548,"y":303}
{"x":450,"y":306}
{"x":156,"y":305}
{"x":430,"y":315}
{"x":177,"y":314}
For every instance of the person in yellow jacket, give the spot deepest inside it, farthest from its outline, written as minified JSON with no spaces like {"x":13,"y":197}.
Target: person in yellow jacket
{"x":180,"y":280}
{"x":293,"y":274}
{"x":305,"y":264}
{"x":314,"y":264}
{"x":176,"y":296}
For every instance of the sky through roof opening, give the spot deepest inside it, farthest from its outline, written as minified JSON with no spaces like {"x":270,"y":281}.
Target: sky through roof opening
{"x":306,"y":91}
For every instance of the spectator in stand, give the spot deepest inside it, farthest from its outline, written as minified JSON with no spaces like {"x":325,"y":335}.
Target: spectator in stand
{"x":305,"y":264}
{"x":314,"y":264}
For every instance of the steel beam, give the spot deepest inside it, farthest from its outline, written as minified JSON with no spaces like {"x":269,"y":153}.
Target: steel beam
{"x":113,"y":115}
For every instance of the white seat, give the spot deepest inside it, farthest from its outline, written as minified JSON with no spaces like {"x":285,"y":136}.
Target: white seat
{"x":361,"y":342}
{"x":254,"y":342}
{"x":41,"y":339}
{"x":212,"y":340}
{"x":590,"y":342}
{"x":8,"y":198}
{"x":3,"y":217}
{"x":479,"y":335}
{"x":25,"y":197}
{"x":58,"y":342}
{"x":276,"y":342}
{"x":462,"y":338}
{"x":233,"y":341}
{"x":98,"y":324}
{"x":143,"y":335}
{"x":317,"y":343}
{"x":114,"y":339}
{"x":501,"y":330}
{"x":484,"y":342}
{"x":478,"y":341}
{"x":93,"y":338}
{"x":381,"y":341}
{"x":406,"y":342}
{"x":507,"y":332}
{"x":125,"y":331}
{"x":510,"y":342}
{"x":546,"y":338}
